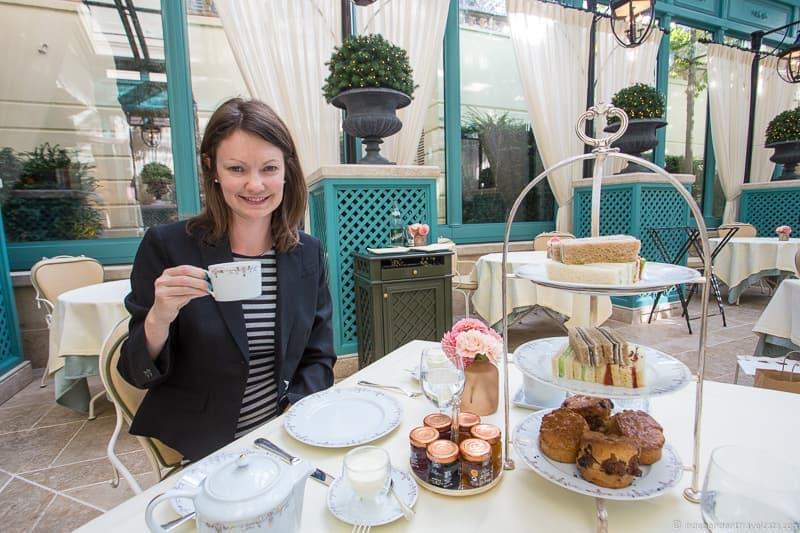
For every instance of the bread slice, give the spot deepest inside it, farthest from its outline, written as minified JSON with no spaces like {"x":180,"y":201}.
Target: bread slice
{"x":596,"y":274}
{"x":607,"y":249}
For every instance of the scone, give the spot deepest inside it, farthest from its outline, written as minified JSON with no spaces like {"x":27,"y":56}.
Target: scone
{"x":596,"y":411}
{"x":643,"y":430}
{"x":560,"y":434}
{"x":608,"y":460}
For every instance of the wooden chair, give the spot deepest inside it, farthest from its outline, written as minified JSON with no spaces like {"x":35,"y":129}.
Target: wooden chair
{"x":126,"y":399}
{"x":744,"y":229}
{"x":54,"y":276}
{"x":541,"y":240}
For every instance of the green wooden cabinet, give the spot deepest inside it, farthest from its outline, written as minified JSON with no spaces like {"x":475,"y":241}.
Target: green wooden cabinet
{"x":400,"y":298}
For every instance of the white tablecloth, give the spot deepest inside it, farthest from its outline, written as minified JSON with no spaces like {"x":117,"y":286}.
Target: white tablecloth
{"x":488,"y":301}
{"x":82,"y":319}
{"x":743,"y":257}
{"x":523,"y":501}
{"x":781,"y":317}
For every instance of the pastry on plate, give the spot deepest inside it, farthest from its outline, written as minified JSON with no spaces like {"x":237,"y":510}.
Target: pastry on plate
{"x":643,"y":430}
{"x":560,"y":434}
{"x":610,"y":461}
{"x":596,"y":411}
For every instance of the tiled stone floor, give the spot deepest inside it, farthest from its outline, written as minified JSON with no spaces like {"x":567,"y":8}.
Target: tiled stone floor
{"x":54,"y":475}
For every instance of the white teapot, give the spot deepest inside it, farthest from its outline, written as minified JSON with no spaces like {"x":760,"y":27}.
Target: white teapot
{"x":254,"y":492}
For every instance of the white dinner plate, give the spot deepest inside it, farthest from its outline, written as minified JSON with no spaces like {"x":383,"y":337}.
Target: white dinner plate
{"x":664,"y":374}
{"x":343,"y":417}
{"x":193,"y":475}
{"x":657,"y":276}
{"x":345,"y":505}
{"x":655,"y":479}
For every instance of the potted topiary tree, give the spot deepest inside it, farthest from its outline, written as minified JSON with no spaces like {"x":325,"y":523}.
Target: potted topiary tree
{"x":645,"y":108}
{"x":157,"y":179}
{"x":370,"y":78}
{"x":783,"y":136}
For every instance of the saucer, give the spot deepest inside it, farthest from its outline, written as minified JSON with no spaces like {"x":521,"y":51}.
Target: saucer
{"x":520,"y":400}
{"x":349,"y":509}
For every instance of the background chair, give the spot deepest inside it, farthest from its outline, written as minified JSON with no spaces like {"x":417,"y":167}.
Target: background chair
{"x":743,"y":229}
{"x":126,"y":399}
{"x":541,"y":240}
{"x":462,"y":281}
{"x":54,"y":276}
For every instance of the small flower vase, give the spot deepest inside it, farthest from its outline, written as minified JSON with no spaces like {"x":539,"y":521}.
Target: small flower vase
{"x":480,"y":388}
{"x":420,"y":240}
{"x":783,"y":236}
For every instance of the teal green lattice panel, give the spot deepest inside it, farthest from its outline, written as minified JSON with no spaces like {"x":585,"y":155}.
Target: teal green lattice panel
{"x":767,"y":209}
{"x":352,"y":214}
{"x":10,"y":347}
{"x":615,"y":211}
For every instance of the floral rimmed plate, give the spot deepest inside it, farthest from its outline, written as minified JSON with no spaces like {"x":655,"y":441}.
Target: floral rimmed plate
{"x":343,"y":417}
{"x":346,"y":506}
{"x":655,"y":479}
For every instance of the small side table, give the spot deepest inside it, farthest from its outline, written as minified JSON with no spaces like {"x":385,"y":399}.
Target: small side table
{"x":399,"y":298}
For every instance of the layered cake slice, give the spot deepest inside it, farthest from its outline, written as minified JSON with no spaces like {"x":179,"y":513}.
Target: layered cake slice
{"x":600,"y":355}
{"x":608,"y":260}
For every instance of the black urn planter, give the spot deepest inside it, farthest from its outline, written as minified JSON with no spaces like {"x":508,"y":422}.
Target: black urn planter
{"x":371,"y":116}
{"x":637,"y":139}
{"x":787,"y":153}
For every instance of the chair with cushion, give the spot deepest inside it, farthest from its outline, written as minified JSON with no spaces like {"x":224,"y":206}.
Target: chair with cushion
{"x":57,"y":275}
{"x":541,"y":240}
{"x":743,"y":229}
{"x":126,"y":399}
{"x":462,"y":280}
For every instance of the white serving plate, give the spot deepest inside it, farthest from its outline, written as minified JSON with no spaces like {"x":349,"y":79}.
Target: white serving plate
{"x":657,"y":277}
{"x":655,"y":479}
{"x":664,"y":374}
{"x":343,"y":417}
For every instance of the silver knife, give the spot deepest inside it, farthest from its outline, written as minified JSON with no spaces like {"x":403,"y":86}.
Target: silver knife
{"x":317,"y":475}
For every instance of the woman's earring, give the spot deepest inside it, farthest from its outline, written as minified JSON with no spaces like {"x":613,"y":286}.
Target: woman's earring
{"x":216,"y":181}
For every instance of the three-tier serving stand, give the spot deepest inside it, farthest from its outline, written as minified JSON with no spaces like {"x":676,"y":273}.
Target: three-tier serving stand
{"x":602,"y":152}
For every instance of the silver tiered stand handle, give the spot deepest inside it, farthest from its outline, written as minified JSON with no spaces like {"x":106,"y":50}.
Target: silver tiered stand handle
{"x":602,"y":151}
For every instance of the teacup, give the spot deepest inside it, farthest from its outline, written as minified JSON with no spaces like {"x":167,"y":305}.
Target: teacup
{"x":239,"y":280}
{"x":367,"y":470}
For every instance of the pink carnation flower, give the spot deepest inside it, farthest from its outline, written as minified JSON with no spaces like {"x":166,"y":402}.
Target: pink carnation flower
{"x":470,"y":337}
{"x":783,"y":230}
{"x":424,"y":229}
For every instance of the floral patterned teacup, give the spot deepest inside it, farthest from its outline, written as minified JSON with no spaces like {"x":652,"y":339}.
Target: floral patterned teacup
{"x":240,"y":280}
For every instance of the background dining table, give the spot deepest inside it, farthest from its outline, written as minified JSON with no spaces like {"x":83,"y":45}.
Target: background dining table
{"x":81,"y":320}
{"x":778,"y":328}
{"x":745,"y":260}
{"x":524,"y":294}
{"x":522,"y":501}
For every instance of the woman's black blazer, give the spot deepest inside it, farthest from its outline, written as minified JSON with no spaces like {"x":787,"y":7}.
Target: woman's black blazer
{"x":196,"y":384}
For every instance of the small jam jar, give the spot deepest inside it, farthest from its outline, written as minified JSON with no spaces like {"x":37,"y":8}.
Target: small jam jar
{"x":440,"y":422}
{"x":420,"y":438}
{"x":444,"y":470}
{"x":466,"y":421}
{"x":476,"y":463}
{"x":491,"y":434}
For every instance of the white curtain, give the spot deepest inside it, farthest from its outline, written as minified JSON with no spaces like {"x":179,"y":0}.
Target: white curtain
{"x":617,"y":67}
{"x":729,"y":97}
{"x":774,"y":96}
{"x":418,"y":27}
{"x":551,"y":45}
{"x":281,"y":47}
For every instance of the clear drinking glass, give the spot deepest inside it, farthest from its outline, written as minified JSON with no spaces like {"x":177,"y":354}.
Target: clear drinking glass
{"x":367,"y":470}
{"x":442,"y":378}
{"x":747,"y":489}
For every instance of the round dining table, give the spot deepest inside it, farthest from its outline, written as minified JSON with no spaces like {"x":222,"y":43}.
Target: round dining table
{"x":80,"y":322}
{"x":524,"y":294}
{"x":745,"y":260}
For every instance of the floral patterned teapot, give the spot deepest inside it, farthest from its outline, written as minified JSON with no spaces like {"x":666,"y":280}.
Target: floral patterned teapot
{"x":254,"y":492}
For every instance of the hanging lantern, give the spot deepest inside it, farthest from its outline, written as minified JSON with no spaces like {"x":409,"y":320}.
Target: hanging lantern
{"x":150,"y":133}
{"x":789,"y":63}
{"x":632,"y":20}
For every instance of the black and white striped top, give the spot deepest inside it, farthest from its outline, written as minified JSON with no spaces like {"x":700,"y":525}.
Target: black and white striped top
{"x":260,"y":401}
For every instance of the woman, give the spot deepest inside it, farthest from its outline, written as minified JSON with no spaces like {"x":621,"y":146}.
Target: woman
{"x":216,"y":370}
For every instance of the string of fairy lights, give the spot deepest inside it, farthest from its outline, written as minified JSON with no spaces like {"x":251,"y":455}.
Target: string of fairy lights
{"x":640,"y":101}
{"x":784,"y":127}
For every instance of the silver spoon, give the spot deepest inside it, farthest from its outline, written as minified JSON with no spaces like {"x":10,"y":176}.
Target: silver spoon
{"x":410,"y":394}
{"x":408,"y":512}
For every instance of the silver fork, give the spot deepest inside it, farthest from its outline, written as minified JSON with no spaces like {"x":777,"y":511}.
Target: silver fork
{"x":410,"y":394}
{"x":361,"y":528}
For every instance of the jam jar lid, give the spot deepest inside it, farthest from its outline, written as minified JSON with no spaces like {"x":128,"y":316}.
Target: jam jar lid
{"x":487,"y":432}
{"x":475,"y":450}
{"x":421,"y":436}
{"x":443,"y":451}
{"x":467,"y":420}
{"x":439,"y":421}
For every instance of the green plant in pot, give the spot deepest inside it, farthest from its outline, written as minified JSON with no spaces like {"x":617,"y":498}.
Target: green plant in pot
{"x":52,"y":199}
{"x":644,"y":106}
{"x":370,"y":78}
{"x":783,"y":136}
{"x":157,"y":178}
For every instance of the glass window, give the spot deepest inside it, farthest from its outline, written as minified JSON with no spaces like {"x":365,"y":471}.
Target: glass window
{"x":84,"y":133}
{"x":498,"y":150}
{"x":687,"y":105}
{"x":431,"y":149}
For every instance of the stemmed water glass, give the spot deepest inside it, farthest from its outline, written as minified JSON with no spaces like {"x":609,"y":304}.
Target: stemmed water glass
{"x":442,"y":380}
{"x":751,"y":490}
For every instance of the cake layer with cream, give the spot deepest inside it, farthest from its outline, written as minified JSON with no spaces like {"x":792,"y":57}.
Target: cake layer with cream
{"x":596,"y":274}
{"x":590,"y":250}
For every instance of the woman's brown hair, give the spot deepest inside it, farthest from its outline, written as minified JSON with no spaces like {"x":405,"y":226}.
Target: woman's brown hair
{"x":257,"y":118}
